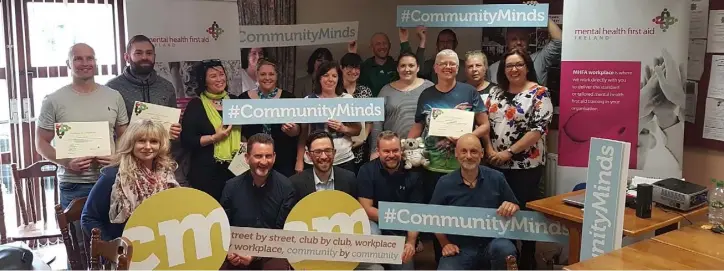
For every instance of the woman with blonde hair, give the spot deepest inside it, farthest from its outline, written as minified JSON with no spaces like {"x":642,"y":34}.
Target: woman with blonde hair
{"x":141,"y":167}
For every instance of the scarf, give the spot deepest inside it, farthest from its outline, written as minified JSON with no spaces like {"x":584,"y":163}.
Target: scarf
{"x":225,"y":149}
{"x":128,"y":193}
{"x":267,"y":127}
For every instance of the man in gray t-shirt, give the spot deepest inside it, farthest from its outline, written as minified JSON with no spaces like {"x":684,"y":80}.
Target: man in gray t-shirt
{"x":542,"y":60}
{"x":82,"y":101}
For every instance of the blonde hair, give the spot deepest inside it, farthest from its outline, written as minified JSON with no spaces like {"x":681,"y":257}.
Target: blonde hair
{"x":477,"y":53}
{"x":137,"y":130}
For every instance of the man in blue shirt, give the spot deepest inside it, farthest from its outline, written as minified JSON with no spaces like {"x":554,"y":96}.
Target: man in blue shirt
{"x":474,"y":185}
{"x":259,"y":198}
{"x":386,"y":179}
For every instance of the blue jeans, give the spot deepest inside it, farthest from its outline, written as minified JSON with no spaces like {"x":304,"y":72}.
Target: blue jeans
{"x":491,"y":256}
{"x":71,"y":191}
{"x":409,"y":265}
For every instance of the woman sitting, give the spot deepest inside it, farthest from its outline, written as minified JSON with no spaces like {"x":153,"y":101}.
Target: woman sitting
{"x":141,"y":167}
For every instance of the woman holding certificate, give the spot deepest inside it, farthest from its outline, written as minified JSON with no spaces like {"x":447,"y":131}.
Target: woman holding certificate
{"x":284,"y":135}
{"x":328,"y":84}
{"x":141,"y":167}
{"x":211,"y":144}
{"x":519,"y":111}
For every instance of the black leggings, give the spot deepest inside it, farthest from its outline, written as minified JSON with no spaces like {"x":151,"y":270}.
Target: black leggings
{"x":524,"y":183}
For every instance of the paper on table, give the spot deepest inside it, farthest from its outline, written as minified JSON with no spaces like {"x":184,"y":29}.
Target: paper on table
{"x":716,"y":32}
{"x":81,"y":139}
{"x":697,"y":53}
{"x":157,"y":113}
{"x":450,"y":122}
{"x":716,"y":78}
{"x":238,"y":165}
{"x":714,"y":119}
{"x":699,"y":19}
{"x":692,"y":92}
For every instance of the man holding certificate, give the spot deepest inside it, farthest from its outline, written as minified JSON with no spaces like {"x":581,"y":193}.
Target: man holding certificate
{"x":70,"y":109}
{"x":445,"y":112}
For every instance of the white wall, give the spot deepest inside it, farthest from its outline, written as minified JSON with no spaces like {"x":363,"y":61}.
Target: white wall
{"x":375,"y":16}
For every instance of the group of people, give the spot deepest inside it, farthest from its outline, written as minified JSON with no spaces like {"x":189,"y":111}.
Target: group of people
{"x":498,"y":165}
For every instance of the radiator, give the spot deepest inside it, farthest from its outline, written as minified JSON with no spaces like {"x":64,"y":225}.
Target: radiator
{"x":549,"y":178}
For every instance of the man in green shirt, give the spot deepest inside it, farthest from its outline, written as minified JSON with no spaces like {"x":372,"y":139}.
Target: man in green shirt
{"x":381,"y":69}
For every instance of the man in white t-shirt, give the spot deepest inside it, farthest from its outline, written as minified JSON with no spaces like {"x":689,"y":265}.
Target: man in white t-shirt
{"x":82,"y":101}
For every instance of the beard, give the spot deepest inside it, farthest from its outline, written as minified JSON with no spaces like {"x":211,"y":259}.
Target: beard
{"x":141,"y":69}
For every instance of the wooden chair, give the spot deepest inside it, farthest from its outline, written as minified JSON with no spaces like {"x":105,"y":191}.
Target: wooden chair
{"x":29,"y":182}
{"x":107,"y":255}
{"x":76,"y":243}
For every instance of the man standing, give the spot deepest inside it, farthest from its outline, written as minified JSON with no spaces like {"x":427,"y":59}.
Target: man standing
{"x":323,"y":175}
{"x":386,"y":179}
{"x":519,"y":38}
{"x":82,"y":101}
{"x":140,"y":82}
{"x":259,"y":198}
{"x":478,"y":186}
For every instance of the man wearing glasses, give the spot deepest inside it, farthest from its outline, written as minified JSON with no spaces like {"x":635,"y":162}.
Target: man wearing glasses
{"x":446,"y":94}
{"x":386,"y":179}
{"x":323,"y":175}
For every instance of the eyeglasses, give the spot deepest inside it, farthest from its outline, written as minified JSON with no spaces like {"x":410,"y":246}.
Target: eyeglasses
{"x":328,"y":152}
{"x":514,"y":65}
{"x":447,"y":64}
{"x":211,"y":62}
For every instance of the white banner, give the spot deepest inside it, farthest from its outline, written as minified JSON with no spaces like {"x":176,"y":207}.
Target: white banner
{"x":624,"y":80}
{"x":253,"y":36}
{"x":186,"y":30}
{"x":317,"y":245}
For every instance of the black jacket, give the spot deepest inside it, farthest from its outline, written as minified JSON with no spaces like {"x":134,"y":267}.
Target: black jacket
{"x":344,"y":180}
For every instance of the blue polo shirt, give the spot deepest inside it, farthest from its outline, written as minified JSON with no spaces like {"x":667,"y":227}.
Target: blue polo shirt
{"x":376,"y":183}
{"x":490,"y":191}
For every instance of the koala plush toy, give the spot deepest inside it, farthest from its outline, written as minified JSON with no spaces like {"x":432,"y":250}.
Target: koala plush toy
{"x":414,"y":152}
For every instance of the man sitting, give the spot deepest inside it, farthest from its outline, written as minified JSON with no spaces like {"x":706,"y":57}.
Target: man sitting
{"x":474,"y":185}
{"x":386,"y":179}
{"x":323,"y":175}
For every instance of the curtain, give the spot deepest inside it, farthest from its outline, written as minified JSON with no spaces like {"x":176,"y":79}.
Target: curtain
{"x":273,"y":12}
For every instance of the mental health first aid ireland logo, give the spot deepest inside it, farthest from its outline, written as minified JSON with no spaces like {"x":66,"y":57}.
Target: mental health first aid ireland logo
{"x":178,"y":229}
{"x":215,"y":30}
{"x":665,"y":20}
{"x":327,"y":211}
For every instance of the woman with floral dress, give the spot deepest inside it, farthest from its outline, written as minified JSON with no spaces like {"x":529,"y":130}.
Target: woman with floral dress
{"x":519,"y":111}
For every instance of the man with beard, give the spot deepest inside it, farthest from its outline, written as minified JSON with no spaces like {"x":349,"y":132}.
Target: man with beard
{"x":474,"y":185}
{"x":519,"y":38}
{"x":386,"y":179}
{"x":259,"y":198}
{"x":139,"y":81}
{"x":322,"y":175}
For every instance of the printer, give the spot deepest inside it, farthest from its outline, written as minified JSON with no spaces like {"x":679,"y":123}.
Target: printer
{"x":678,"y":194}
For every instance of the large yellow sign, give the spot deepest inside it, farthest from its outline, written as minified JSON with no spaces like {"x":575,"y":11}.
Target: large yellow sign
{"x":178,"y":229}
{"x":327,"y":211}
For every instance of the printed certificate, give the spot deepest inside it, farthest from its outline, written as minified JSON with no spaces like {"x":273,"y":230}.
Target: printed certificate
{"x":450,"y":122}
{"x":80,"y":139}
{"x":238,"y":165}
{"x":157,"y":113}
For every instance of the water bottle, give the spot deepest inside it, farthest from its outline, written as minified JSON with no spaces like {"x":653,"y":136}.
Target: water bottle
{"x":716,"y":203}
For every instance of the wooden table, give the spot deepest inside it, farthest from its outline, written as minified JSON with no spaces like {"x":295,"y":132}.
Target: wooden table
{"x":697,"y":240}
{"x":572,"y":218}
{"x":649,"y":254}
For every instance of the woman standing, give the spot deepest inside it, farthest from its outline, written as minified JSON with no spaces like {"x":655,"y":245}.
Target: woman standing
{"x":211,"y":144}
{"x":285,"y":135}
{"x":141,"y":167}
{"x":328,"y":84}
{"x":350,"y":63}
{"x":304,"y":86}
{"x":476,"y":68}
{"x":400,"y":100}
{"x":519,"y":111}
